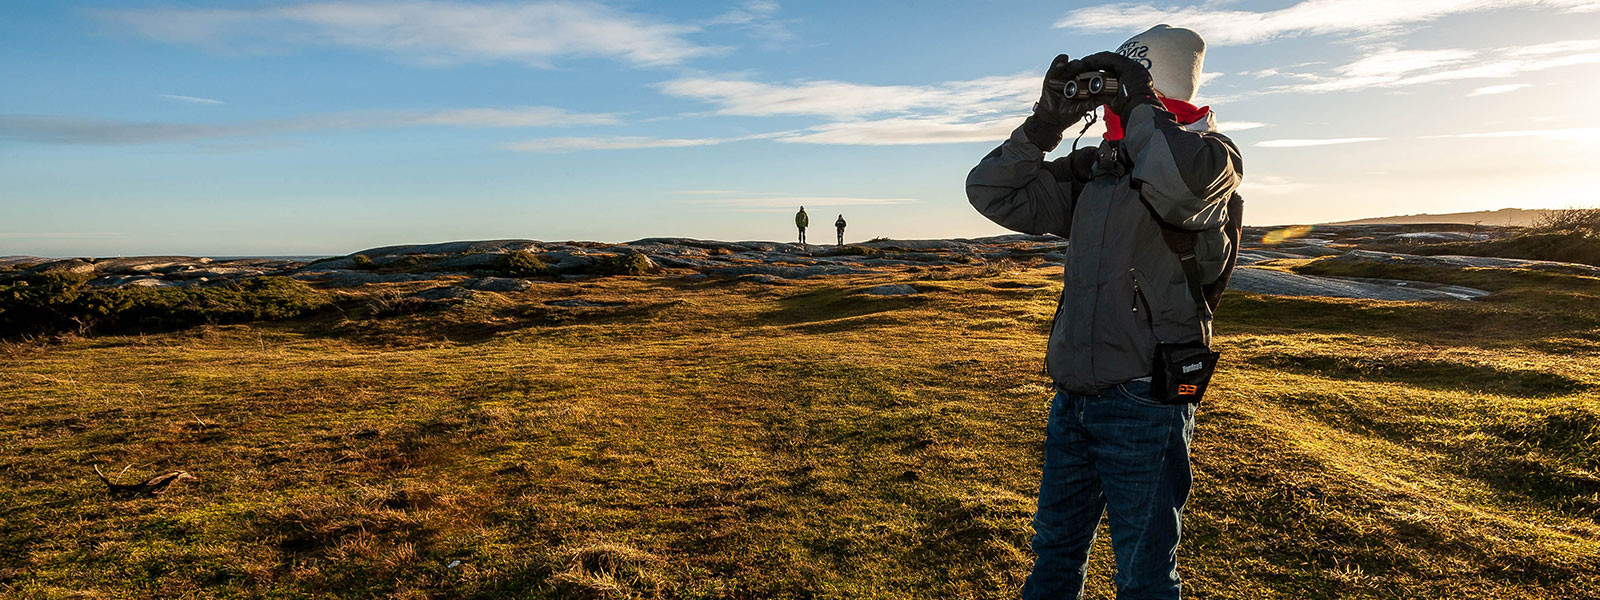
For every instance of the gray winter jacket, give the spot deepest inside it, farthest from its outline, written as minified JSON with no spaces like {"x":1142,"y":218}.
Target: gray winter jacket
{"x":1124,"y":287}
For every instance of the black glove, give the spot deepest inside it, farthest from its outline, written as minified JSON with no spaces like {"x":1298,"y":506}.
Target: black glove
{"x":1133,"y":80}
{"x":1054,"y":113}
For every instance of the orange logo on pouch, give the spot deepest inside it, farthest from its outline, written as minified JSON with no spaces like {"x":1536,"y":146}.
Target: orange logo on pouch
{"x":1185,"y":389}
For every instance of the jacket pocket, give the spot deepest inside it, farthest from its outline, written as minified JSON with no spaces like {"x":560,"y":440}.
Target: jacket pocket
{"x":1172,"y":312}
{"x":1143,"y":308}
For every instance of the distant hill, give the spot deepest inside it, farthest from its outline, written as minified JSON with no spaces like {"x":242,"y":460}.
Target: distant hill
{"x":1506,"y":216}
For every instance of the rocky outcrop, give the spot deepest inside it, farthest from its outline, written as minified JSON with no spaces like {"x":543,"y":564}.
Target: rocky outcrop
{"x":1283,"y":283}
{"x":483,"y":266}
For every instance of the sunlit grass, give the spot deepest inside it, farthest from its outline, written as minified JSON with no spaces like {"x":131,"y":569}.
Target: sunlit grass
{"x":721,"y":439}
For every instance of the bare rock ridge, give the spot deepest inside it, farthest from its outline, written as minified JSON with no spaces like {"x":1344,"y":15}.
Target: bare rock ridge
{"x":484,"y":266}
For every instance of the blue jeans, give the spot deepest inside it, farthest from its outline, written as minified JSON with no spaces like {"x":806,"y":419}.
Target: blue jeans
{"x":1125,"y":455}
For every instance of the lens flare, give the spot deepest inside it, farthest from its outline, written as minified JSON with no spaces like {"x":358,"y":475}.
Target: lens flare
{"x":1279,"y":236}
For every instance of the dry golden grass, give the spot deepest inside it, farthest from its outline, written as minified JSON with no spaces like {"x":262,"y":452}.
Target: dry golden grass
{"x":731,"y":440}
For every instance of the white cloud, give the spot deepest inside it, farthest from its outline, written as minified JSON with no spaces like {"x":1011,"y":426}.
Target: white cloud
{"x":1498,"y":89}
{"x":1300,"y":143}
{"x":1270,"y":185}
{"x":838,"y":99}
{"x":427,"y":32}
{"x":984,"y":109}
{"x":759,"y":19}
{"x":1390,"y":68}
{"x":905,"y":131}
{"x":1590,"y":134}
{"x":55,"y":129}
{"x":1230,"y":126}
{"x":1223,"y":27}
{"x":191,"y":99}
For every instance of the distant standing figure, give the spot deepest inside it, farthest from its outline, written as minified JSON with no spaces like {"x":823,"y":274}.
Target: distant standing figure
{"x":840,"y":225}
{"x":801,"y":221}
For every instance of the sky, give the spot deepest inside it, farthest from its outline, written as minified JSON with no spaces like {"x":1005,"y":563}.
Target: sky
{"x":292,"y":128}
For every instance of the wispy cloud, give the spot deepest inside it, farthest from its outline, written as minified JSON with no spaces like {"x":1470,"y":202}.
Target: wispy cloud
{"x":905,"y":131}
{"x":1270,"y":184}
{"x":1224,"y":27}
{"x":1591,"y":134}
{"x":1387,"y":67}
{"x":1498,"y":89}
{"x":759,"y":18}
{"x":1232,"y":126}
{"x":427,"y":32}
{"x":838,"y":99}
{"x":1300,"y":143}
{"x":191,"y":99}
{"x":984,"y":109}
{"x":55,"y":129}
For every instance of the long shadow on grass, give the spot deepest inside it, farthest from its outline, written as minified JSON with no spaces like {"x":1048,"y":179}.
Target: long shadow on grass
{"x":1294,"y":511}
{"x":1545,"y":461}
{"x":832,"y":303}
{"x":1446,"y":323}
{"x":471,"y":327}
{"x":1427,"y":373}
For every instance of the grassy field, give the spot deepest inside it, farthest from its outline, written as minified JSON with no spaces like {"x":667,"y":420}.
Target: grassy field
{"x":706,"y":439}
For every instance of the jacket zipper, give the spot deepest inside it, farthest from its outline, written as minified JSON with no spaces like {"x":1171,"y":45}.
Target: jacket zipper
{"x":1139,"y":298}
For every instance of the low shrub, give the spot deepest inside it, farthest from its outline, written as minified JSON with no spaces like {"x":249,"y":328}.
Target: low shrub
{"x":362,"y":262}
{"x":623,"y":264}
{"x":56,"y":303}
{"x":522,"y":263}
{"x":1572,"y":220}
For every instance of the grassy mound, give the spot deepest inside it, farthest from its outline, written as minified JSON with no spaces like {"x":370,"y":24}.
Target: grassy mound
{"x":1564,"y":235}
{"x":56,"y":303}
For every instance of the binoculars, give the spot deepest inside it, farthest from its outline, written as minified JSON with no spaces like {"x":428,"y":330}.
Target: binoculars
{"x":1093,"y":83}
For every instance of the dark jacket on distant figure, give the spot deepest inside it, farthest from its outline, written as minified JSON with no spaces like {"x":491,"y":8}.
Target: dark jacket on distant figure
{"x":1124,"y":287}
{"x":839,"y":223}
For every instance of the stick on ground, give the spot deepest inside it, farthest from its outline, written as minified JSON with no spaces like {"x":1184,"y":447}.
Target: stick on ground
{"x":150,"y":487}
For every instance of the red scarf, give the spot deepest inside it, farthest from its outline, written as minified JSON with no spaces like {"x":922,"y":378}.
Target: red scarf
{"x":1185,"y":112}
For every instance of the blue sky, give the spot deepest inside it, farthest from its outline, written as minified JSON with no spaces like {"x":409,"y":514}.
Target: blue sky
{"x":326,"y":127}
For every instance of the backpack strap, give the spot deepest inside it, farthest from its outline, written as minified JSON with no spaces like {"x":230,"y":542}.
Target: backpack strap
{"x":1182,"y":243}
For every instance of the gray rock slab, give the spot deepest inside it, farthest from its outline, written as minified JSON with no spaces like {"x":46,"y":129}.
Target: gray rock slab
{"x":1468,"y":261}
{"x":10,"y":261}
{"x":892,"y":290}
{"x":499,"y":284}
{"x":1012,"y":238}
{"x":73,"y":266}
{"x":215,"y":273}
{"x":1281,"y":283}
{"x":151,"y":282}
{"x":145,"y":264}
{"x":1308,"y":251}
{"x":337,"y":278}
{"x":772,"y":246}
{"x":919,"y":245}
{"x":1442,"y":236}
{"x":786,"y":272}
{"x":763,"y":279}
{"x":677,"y":262}
{"x":581,"y":303}
{"x":1250,"y":257}
{"x":453,"y":247}
{"x":480,"y":260}
{"x":446,"y":294}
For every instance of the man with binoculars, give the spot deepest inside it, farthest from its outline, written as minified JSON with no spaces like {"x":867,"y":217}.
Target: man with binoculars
{"x":1153,"y":220}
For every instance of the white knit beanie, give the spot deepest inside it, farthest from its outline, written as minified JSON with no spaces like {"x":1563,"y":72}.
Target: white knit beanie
{"x":1173,"y":55}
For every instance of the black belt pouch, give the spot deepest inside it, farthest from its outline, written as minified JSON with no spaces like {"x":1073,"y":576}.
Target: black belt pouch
{"x":1182,"y":372}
